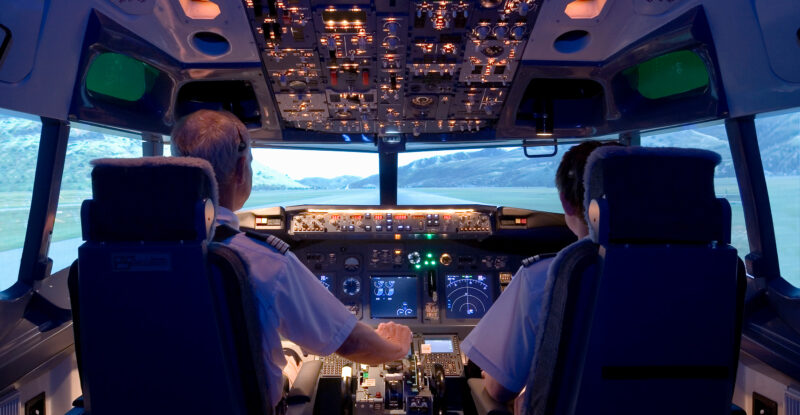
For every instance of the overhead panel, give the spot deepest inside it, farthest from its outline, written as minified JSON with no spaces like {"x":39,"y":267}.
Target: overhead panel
{"x":387,"y":67}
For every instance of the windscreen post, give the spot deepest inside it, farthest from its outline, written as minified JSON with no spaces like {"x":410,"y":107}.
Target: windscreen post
{"x":630,"y":139}
{"x":35,"y":265}
{"x":762,"y":261}
{"x":388,"y":147}
{"x":152,"y":145}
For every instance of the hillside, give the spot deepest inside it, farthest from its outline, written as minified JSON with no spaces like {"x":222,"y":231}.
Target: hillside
{"x":779,"y":140}
{"x":20,"y":137}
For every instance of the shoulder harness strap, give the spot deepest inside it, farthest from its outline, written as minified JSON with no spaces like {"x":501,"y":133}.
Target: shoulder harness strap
{"x":223,"y":232}
{"x":536,"y":258}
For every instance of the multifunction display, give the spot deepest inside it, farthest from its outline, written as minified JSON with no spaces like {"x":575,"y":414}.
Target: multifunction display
{"x":393,"y":296}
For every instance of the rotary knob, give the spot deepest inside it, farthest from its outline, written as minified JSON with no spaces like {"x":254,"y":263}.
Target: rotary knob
{"x":445,"y":259}
{"x":414,"y":258}
{"x":482,"y":32}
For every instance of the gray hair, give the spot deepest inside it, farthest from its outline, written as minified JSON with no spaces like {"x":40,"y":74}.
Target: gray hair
{"x":215,"y":136}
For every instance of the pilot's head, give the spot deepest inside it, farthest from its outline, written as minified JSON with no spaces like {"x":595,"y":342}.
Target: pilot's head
{"x":569,"y":181}
{"x":222,"y":139}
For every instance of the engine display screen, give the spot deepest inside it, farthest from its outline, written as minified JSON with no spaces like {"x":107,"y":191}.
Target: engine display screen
{"x":468,"y":295}
{"x":440,"y":345}
{"x":393,"y":296}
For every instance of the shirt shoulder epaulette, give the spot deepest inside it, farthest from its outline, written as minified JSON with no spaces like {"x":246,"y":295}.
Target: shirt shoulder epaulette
{"x":536,"y":258}
{"x":224,"y":232}
{"x":270,"y":240}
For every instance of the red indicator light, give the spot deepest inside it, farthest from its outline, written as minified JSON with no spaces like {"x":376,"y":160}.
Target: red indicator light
{"x":446,"y":217}
{"x":378,"y":217}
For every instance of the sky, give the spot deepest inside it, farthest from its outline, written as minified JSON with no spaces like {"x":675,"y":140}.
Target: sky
{"x":299,"y":164}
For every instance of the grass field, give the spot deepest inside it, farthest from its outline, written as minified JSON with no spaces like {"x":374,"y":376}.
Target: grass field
{"x":784,"y":198}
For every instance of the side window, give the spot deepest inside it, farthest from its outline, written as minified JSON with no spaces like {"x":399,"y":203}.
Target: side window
{"x":84,"y":146}
{"x":779,"y":143}
{"x":19,"y":141}
{"x":712,"y":138}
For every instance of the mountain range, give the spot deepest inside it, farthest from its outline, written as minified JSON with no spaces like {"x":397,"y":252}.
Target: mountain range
{"x":779,"y":140}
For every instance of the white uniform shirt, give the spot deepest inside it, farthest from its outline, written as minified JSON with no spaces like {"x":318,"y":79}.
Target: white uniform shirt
{"x":290,"y":300}
{"x":504,"y":341}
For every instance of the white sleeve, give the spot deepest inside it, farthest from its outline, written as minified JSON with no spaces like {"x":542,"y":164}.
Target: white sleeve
{"x":308,"y":313}
{"x":504,"y":341}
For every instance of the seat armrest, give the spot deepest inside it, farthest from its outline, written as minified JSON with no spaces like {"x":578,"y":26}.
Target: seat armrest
{"x":305,"y":386}
{"x":485,"y":404}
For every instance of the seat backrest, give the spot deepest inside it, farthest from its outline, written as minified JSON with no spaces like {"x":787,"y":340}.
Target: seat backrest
{"x":641,"y":317}
{"x":163,"y":318}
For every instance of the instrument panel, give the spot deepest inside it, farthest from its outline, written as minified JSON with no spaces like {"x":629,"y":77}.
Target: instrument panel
{"x":437,"y":269}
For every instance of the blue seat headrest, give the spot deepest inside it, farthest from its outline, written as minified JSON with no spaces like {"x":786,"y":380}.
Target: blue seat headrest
{"x":654,"y":195}
{"x":150,"y":199}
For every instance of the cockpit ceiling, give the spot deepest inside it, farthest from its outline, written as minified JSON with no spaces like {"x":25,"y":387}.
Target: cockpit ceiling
{"x":414,"y":74}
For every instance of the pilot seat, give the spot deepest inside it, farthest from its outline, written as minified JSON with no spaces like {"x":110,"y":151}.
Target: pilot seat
{"x":164,"y":318}
{"x":644,"y":315}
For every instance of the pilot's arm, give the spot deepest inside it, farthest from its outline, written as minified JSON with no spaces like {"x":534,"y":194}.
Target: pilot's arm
{"x":388,"y":342}
{"x":313,"y":318}
{"x":504,"y":341}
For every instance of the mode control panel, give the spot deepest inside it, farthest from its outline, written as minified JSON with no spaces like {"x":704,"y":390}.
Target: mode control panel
{"x":374,"y":222}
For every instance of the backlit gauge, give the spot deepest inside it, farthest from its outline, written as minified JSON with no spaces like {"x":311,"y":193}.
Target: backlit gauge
{"x":351,"y":286}
{"x":352,"y":264}
{"x":468,"y":296}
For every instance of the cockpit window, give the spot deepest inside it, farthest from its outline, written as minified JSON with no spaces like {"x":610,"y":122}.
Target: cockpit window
{"x":85,"y":144}
{"x":712,"y":138}
{"x":19,"y":141}
{"x":296,"y":177}
{"x":492,"y":176}
{"x":779,"y":143}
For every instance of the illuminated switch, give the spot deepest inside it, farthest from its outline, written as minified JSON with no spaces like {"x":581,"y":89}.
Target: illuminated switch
{"x":365,"y":77}
{"x":334,"y":77}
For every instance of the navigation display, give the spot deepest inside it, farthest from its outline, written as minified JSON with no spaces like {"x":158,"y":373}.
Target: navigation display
{"x":468,"y":295}
{"x":393,"y":296}
{"x":440,"y":345}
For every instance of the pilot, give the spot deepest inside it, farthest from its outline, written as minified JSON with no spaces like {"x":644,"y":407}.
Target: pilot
{"x":503,"y":342}
{"x":291,"y":301}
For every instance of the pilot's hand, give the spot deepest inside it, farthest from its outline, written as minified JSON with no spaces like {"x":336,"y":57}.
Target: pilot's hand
{"x":396,"y":334}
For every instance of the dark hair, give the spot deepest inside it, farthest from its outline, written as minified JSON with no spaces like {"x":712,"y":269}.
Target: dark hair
{"x":569,"y":176}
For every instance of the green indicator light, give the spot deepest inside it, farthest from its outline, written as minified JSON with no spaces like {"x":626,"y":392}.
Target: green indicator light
{"x":418,"y":266}
{"x":429,"y":255}
{"x":366,"y":375}
{"x":429,"y":235}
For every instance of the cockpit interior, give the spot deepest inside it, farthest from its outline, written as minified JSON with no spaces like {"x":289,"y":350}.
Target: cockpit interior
{"x":475,"y":81}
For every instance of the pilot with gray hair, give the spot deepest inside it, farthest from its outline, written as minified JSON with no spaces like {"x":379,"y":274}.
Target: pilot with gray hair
{"x":290,"y":299}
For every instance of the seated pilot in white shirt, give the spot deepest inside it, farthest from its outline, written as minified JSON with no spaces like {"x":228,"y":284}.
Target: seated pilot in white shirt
{"x":290,"y":299}
{"x":502,"y":344}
